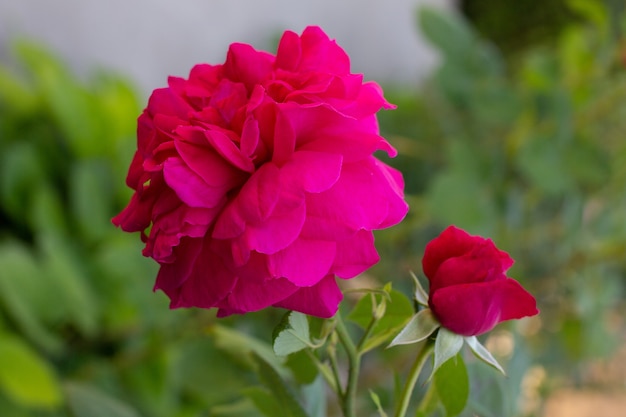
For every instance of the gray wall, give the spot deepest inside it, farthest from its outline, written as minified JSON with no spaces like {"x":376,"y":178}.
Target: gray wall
{"x":150,"y":39}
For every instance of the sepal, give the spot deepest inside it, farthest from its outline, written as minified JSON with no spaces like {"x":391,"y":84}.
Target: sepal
{"x":482,"y":353}
{"x":421,"y":296}
{"x":447,"y":345}
{"x":421,"y":325}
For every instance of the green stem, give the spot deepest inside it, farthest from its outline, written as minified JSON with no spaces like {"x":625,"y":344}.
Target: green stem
{"x":414,"y":373}
{"x":348,"y":398}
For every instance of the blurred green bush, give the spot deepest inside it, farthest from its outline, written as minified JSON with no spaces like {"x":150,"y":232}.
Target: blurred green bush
{"x":532,"y":155}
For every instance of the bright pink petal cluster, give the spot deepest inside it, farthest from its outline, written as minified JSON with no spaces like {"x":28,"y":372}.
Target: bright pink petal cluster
{"x":255,"y":181}
{"x":469,"y":290}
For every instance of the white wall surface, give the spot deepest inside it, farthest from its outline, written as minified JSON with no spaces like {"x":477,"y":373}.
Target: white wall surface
{"x":147,"y":40}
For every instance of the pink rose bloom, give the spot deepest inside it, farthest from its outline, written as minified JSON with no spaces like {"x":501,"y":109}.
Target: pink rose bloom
{"x":469,"y":290}
{"x":255,"y":183}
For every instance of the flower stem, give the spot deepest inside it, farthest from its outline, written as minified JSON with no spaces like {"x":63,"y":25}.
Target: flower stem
{"x":414,"y":373}
{"x":348,"y":396}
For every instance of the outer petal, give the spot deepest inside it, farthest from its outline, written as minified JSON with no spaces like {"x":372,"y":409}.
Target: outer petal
{"x":473,"y":309}
{"x":450,"y":243}
{"x":355,"y":255}
{"x":246,"y":65}
{"x":304,"y":263}
{"x":321,"y":300}
{"x":255,"y":288}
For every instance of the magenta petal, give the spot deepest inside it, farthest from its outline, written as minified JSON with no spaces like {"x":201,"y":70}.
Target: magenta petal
{"x":355,"y":255}
{"x":473,"y":309}
{"x":278,"y":231}
{"x":189,"y":187}
{"x":210,"y":166}
{"x":284,"y":139}
{"x":357,"y":200}
{"x":229,"y":223}
{"x":228,"y":150}
{"x":289,"y":52}
{"x":172,"y":275}
{"x":259,"y":196}
{"x":312,"y":171}
{"x":319,"y":52}
{"x":249,"y":136}
{"x":247,"y":65}
{"x":255,"y":289}
{"x":304,"y":262}
{"x":209,"y":283}
{"x":136,"y":216}
{"x":320,"y":300}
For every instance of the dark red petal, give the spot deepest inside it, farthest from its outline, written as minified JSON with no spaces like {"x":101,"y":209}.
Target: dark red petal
{"x":473,"y":309}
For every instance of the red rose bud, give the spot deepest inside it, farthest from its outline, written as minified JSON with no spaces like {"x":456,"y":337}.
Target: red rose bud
{"x":255,"y":181}
{"x":469,"y":290}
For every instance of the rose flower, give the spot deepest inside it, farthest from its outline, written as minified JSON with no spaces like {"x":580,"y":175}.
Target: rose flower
{"x":469,"y":290}
{"x":255,"y":181}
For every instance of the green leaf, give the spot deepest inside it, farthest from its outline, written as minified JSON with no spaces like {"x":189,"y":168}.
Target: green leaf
{"x":21,"y":171}
{"x":448,"y":32}
{"x":241,"y":345}
{"x":302,"y":366}
{"x":482,"y":353}
{"x":292,"y":334}
{"x":74,"y":108}
{"x":398,"y":311}
{"x":452,"y":383}
{"x":421,"y":325}
{"x":447,"y":345}
{"x":376,"y":399}
{"x":71,"y":286}
{"x":24,"y":293}
{"x":90,"y":198}
{"x":25,"y":377}
{"x":264,"y":401}
{"x":315,"y":397}
{"x":85,"y":401}
{"x":285,"y":398}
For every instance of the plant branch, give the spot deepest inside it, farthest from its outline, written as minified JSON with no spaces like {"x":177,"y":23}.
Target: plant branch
{"x":414,"y":373}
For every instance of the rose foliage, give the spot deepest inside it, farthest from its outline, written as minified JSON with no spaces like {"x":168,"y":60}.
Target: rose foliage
{"x":255,"y":181}
{"x":469,"y":290}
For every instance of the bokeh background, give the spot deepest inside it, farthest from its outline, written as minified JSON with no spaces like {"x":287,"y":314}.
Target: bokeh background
{"x":511,"y":123}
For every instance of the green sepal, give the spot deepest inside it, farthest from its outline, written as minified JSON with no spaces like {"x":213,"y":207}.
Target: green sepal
{"x":482,"y":353}
{"x":421,"y":325}
{"x":447,"y":345}
{"x":421,"y":296}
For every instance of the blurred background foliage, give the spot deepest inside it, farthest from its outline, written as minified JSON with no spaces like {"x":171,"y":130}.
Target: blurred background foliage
{"x":516,"y":136}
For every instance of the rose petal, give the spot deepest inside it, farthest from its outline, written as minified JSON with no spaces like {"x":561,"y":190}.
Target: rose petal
{"x":247,"y":65}
{"x":320,"y":300}
{"x":304,"y":262}
{"x":190,"y":187}
{"x":473,"y":309}
{"x":453,"y":242}
{"x":312,"y":171}
{"x":255,"y":289}
{"x":355,"y":255}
